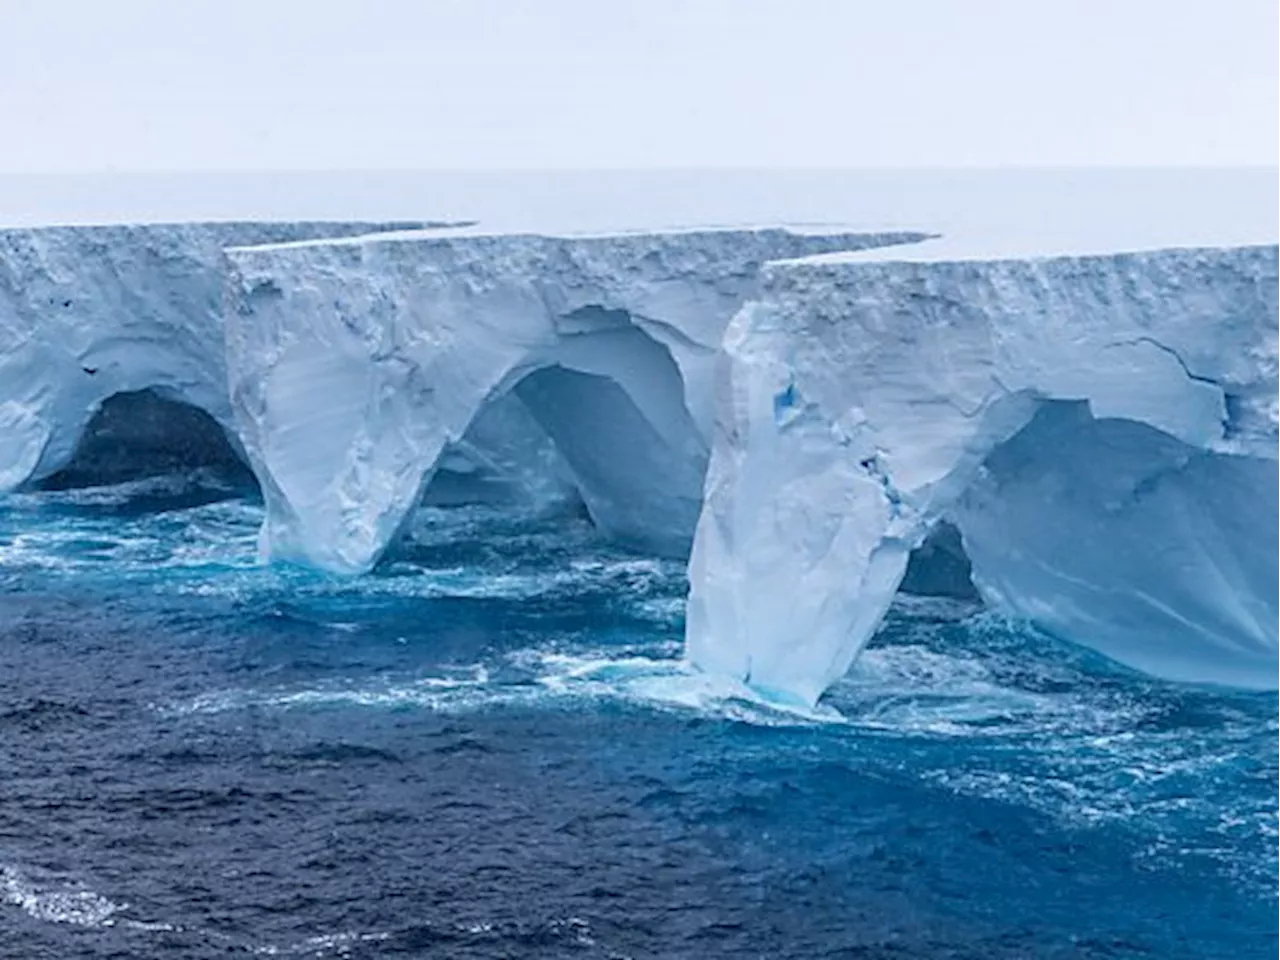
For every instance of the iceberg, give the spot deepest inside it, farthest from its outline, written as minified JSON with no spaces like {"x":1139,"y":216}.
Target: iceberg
{"x":817,"y":418}
{"x":356,"y":365}
{"x":1099,"y":427}
{"x":89,"y":312}
{"x":113,"y":359}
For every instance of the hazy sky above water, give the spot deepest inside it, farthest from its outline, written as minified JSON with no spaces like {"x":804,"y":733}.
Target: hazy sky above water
{"x":99,"y":85}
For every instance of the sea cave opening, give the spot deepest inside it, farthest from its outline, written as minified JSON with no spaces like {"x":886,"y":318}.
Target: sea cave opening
{"x":135,"y":435}
{"x":940,"y":567}
{"x":597,"y":426}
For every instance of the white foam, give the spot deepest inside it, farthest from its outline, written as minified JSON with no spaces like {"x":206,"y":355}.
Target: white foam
{"x":330,"y":944}
{"x":56,"y":901}
{"x":654,"y":679}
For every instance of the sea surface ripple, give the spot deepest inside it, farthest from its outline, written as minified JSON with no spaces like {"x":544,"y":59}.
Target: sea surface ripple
{"x":491,"y":748}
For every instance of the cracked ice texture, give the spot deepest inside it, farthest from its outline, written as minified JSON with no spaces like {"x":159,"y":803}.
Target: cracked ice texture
{"x":355,"y":364}
{"x":862,"y":399}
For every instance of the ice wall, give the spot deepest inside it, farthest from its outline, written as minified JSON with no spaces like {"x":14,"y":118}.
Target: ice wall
{"x":355,"y":364}
{"x":89,"y":312}
{"x":1117,"y":535}
{"x":864,"y":398}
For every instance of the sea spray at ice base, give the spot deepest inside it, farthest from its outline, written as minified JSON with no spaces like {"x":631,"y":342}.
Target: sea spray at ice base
{"x":489,"y":747}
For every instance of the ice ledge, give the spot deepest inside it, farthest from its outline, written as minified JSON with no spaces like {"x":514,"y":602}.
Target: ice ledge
{"x":863,"y":397}
{"x":468,"y":231}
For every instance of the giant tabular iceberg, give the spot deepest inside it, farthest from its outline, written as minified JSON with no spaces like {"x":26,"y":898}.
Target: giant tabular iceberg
{"x":1100,"y":428}
{"x":1092,"y":435}
{"x":355,"y":364}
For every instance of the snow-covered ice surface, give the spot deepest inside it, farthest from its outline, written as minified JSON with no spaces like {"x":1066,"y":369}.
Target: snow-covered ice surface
{"x":1131,"y":209}
{"x":864,"y":395}
{"x":134,"y":314}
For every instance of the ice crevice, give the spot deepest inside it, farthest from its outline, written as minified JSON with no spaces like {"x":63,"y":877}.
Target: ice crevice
{"x":1186,"y":369}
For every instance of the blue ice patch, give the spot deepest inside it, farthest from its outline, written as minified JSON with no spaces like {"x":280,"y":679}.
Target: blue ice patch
{"x":788,"y":399}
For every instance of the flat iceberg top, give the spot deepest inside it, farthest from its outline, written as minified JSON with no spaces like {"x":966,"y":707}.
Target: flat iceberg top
{"x":1098,"y":421}
{"x":608,"y":339}
{"x":233,"y":231}
{"x":1146,"y":207}
{"x":963,"y":248}
{"x":445,"y":235}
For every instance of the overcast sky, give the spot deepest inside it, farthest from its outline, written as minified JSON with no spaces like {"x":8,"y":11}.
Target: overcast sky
{"x":440,"y":84}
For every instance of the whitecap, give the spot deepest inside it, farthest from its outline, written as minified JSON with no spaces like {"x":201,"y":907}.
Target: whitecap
{"x":55,"y":901}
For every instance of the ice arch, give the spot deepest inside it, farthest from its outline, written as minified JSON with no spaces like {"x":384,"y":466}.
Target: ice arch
{"x":356,"y":363}
{"x":863,"y":399}
{"x":140,"y":434}
{"x":940,"y":566}
{"x":611,"y":404}
{"x":1157,"y":553}
{"x":636,"y":457}
{"x":505,"y":457}
{"x":90,"y":312}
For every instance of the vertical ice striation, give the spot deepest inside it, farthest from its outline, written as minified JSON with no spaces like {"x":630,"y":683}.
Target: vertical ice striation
{"x":1097,"y":431}
{"x":1113,"y":533}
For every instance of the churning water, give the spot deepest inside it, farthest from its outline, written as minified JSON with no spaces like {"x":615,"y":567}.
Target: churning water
{"x":490,"y":748}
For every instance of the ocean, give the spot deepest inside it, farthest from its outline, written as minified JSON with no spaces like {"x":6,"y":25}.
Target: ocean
{"x":490,"y":748}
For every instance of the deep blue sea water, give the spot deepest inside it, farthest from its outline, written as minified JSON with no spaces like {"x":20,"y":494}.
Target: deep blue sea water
{"x":489,"y":748}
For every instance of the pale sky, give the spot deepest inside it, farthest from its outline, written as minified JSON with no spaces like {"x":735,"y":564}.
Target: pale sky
{"x":150,"y":85}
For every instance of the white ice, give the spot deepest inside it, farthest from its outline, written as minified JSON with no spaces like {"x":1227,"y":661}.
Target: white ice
{"x":610,"y":341}
{"x":90,"y":312}
{"x":866,"y":397}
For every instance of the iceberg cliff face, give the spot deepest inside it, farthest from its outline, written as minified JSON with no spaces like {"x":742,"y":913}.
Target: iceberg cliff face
{"x":357,"y":364}
{"x":90,"y":312}
{"x":1101,"y":430}
{"x":1089,"y":440}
